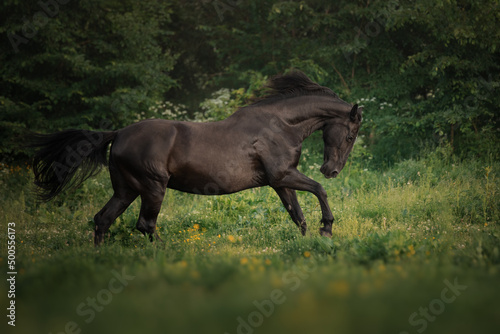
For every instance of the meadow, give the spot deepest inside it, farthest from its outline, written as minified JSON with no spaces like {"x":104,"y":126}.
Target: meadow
{"x":415,"y":249}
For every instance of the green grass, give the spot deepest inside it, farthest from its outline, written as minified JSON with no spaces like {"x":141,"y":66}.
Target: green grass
{"x":401,"y":237}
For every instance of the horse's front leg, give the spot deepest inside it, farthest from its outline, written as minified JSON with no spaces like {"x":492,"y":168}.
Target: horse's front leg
{"x":293,"y":179}
{"x":289,"y":199}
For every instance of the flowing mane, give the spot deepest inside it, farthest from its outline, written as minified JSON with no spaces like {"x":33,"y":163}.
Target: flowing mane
{"x":295,"y":83}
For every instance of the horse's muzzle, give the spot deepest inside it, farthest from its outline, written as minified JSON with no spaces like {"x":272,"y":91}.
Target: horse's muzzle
{"x":329,"y":172}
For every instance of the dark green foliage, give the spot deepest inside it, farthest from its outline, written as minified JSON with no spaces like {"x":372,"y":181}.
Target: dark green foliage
{"x":426,"y":71}
{"x":88,"y":64}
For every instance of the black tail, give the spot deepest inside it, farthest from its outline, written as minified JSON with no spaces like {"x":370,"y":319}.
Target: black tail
{"x":65,"y":159}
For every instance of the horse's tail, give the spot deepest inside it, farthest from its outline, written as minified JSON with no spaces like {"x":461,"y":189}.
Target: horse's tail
{"x":65,"y":159}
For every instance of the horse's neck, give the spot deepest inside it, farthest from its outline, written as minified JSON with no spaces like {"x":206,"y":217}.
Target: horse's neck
{"x":308,"y":115}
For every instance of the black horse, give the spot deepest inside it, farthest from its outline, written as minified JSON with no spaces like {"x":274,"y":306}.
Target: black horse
{"x":256,"y":146}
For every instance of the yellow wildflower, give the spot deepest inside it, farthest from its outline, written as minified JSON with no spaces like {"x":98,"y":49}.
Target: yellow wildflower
{"x":411,"y":250}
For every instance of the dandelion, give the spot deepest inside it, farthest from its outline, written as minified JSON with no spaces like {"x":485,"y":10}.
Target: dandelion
{"x":307,"y":254}
{"x":196,"y":226}
{"x":411,"y":251}
{"x":268,"y":262}
{"x":243,"y":261}
{"x":231,"y":238}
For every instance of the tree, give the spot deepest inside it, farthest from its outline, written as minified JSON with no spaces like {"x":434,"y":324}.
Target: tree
{"x":80,"y":64}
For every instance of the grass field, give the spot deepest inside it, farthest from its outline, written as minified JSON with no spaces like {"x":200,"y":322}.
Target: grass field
{"x":415,"y":250}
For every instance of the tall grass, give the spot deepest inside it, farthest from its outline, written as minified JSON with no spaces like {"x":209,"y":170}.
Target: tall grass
{"x":237,"y":263}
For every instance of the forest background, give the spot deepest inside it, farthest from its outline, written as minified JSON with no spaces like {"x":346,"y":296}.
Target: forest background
{"x":426,"y":71}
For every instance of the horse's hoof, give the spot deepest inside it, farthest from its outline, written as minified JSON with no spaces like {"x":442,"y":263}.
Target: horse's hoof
{"x":325,"y":233}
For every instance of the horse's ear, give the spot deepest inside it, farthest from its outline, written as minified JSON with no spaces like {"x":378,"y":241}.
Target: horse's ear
{"x":353,"y":113}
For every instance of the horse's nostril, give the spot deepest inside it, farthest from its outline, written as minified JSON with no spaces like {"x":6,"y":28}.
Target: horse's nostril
{"x":335,"y":173}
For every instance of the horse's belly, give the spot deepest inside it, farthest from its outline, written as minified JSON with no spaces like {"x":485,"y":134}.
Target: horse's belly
{"x":217,"y":182}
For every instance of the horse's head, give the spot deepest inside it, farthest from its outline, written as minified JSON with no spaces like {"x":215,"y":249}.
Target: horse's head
{"x":339,"y":135}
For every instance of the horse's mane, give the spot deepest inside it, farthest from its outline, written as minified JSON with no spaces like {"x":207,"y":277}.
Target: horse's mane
{"x":292,"y":84}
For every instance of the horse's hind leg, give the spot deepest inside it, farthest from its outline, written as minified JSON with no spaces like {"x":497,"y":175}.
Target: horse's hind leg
{"x":115,"y":207}
{"x":150,"y":208}
{"x":123,"y":196}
